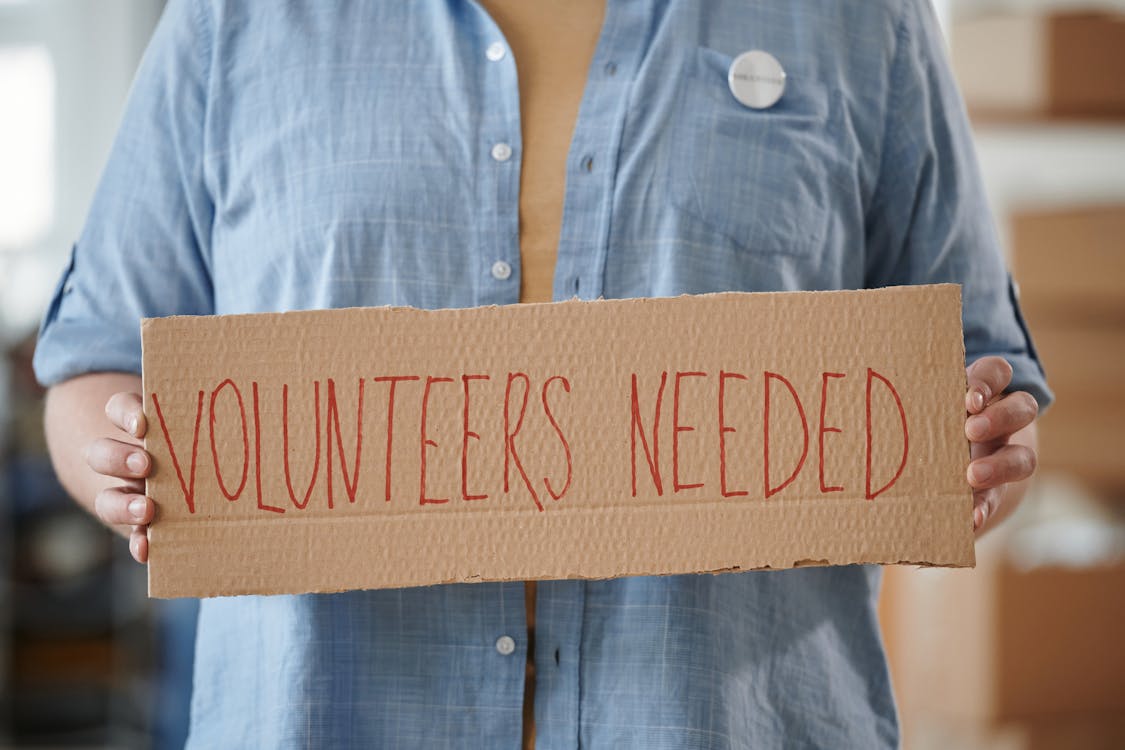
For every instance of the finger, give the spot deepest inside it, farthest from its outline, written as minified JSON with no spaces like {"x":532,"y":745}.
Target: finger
{"x":126,"y":411}
{"x":985,"y":505}
{"x":138,"y":543}
{"x":114,"y":458}
{"x":1002,"y":418}
{"x":981,"y":450}
{"x":1012,"y":463}
{"x":123,"y":506}
{"x":987,"y":377}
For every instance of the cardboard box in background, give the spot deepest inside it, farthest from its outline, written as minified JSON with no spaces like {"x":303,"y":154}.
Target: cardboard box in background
{"x":1082,"y":434}
{"x":1026,"y":651}
{"x":387,"y":447}
{"x":1023,"y":652}
{"x":1070,"y":735}
{"x":1035,"y":65}
{"x":1042,"y":735}
{"x":1070,"y":266}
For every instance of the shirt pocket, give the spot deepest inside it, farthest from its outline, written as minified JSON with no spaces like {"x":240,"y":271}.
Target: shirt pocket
{"x":756,"y":179}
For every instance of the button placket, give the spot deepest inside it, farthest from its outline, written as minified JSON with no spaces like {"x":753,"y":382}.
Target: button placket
{"x":595,"y":144}
{"x":500,"y":189}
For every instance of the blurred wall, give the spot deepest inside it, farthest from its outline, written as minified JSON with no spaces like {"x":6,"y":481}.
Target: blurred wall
{"x":1025,"y":652}
{"x":93,"y":49}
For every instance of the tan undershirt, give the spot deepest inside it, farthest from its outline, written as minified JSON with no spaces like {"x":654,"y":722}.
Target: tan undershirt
{"x":552,"y":42}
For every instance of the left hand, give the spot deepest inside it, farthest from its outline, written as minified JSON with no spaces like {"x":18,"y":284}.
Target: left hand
{"x":994,"y":416}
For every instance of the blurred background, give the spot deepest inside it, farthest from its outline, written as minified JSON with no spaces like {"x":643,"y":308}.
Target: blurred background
{"x":1027,"y":652}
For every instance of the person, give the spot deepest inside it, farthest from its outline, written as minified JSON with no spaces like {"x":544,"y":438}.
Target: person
{"x":317,"y":155}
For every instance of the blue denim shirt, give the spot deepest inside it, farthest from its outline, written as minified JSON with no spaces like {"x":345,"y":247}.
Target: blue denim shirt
{"x":314,"y":154}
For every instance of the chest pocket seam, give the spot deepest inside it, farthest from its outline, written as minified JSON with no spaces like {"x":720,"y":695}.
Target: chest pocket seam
{"x":754,"y":178}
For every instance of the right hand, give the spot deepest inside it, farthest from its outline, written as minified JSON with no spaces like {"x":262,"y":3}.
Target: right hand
{"x":127,"y":461}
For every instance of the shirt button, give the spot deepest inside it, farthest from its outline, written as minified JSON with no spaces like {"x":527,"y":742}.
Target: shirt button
{"x":501,"y":270}
{"x":505,"y":645}
{"x":501,"y":152}
{"x":495,"y":52}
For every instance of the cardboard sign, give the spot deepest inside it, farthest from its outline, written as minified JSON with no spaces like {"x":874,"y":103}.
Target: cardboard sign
{"x":388,"y":447}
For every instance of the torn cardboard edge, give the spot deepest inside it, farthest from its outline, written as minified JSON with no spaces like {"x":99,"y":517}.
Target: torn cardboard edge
{"x":387,"y":447}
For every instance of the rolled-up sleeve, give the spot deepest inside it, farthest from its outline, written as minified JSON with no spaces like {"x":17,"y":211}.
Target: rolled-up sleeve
{"x":928,"y":221}
{"x":145,"y":246}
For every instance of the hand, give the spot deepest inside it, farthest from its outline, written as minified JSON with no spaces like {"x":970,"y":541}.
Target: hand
{"x":126,"y":504}
{"x":996,"y":460}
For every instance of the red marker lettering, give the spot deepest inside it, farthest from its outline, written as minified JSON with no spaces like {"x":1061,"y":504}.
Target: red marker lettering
{"x":823,"y":428}
{"x":770,"y":491}
{"x":334,"y":425}
{"x":562,"y":438}
{"x":637,"y":428}
{"x":422,"y":499}
{"x":285,"y":444}
{"x":510,"y":454}
{"x":467,"y":433}
{"x":723,"y":430}
{"x":258,"y":454}
{"x":677,"y":429}
{"x":394,"y":380}
{"x":189,"y":486}
{"x":869,"y":493}
{"x":245,"y":441}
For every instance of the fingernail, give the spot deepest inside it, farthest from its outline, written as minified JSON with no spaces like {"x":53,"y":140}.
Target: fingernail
{"x":133,"y":425}
{"x":977,"y":426}
{"x":133,"y":547}
{"x":136,"y":462}
{"x":978,"y":518}
{"x":979,"y":472}
{"x":138,"y":507}
{"x":977,"y":400}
